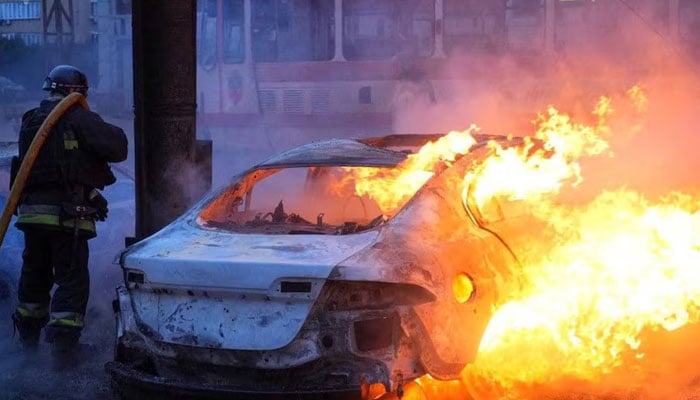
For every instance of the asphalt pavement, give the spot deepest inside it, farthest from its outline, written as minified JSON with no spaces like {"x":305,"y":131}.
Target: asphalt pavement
{"x":35,"y":375}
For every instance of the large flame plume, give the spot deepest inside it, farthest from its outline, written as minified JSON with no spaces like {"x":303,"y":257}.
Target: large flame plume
{"x":599,"y":275}
{"x":517,"y":173}
{"x":391,"y":188}
{"x":592,"y":283}
{"x":612,"y":269}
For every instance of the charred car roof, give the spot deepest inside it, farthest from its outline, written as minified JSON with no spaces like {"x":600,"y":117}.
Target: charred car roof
{"x":370,"y":152}
{"x":334,"y":152}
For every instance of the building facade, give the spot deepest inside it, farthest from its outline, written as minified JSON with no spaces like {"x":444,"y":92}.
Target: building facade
{"x":525,"y":26}
{"x":39,"y":22}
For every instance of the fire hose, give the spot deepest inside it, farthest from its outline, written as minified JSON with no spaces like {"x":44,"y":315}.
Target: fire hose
{"x":32,"y":152}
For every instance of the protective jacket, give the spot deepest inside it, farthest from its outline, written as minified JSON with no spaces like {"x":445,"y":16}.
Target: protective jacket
{"x":73,"y":160}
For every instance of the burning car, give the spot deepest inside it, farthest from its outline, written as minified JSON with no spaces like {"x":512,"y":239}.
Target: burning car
{"x":289,"y":281}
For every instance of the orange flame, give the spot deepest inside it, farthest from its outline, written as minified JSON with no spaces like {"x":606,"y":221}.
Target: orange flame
{"x":517,"y":174}
{"x":640,"y":102}
{"x":390,"y":189}
{"x":599,"y":275}
{"x":608,"y":271}
{"x":621,"y":265}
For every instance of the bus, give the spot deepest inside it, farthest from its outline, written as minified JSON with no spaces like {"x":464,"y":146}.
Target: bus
{"x":275,"y":73}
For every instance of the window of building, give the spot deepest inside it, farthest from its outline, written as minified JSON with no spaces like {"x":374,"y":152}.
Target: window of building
{"x":123,"y":7}
{"x":382,"y":30}
{"x":206,"y":32}
{"x":233,"y":31}
{"x":474,"y":24}
{"x":20,"y":10}
{"x":525,"y":25}
{"x":292,"y":30}
{"x":93,"y":9}
{"x":30,"y":39}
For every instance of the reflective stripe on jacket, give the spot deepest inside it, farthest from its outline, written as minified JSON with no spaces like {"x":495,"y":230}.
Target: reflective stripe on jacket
{"x":46,"y":215}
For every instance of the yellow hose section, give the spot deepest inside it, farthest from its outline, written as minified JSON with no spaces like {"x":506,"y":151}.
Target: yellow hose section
{"x":23,"y":173}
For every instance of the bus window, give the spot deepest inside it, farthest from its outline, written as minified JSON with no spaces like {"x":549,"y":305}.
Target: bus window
{"x":473,"y":24}
{"x":376,"y":30}
{"x":233,"y":31}
{"x":525,"y":22}
{"x":292,"y":30}
{"x":207,"y":11}
{"x":582,"y":25}
{"x":526,"y":7}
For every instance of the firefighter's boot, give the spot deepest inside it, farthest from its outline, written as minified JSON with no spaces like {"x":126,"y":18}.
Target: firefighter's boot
{"x":64,"y":333}
{"x":28,"y":320}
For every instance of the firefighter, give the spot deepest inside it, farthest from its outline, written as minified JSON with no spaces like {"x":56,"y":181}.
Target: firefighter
{"x":57,"y":213}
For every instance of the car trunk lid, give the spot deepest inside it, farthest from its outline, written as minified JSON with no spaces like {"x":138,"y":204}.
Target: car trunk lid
{"x":232,"y":291}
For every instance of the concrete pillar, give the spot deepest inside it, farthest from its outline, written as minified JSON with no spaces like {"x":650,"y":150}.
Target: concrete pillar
{"x":164,"y":106}
{"x":338,"y":54}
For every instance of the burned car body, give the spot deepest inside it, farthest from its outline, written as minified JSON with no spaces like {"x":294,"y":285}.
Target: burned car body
{"x":234,"y":298}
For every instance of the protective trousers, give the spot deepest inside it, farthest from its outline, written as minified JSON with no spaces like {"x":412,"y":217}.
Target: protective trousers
{"x":53,"y":257}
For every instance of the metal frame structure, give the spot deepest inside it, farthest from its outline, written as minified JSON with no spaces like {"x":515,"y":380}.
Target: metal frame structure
{"x":56,"y":14}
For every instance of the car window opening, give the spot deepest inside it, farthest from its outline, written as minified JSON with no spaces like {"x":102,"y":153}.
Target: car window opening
{"x":293,"y":201}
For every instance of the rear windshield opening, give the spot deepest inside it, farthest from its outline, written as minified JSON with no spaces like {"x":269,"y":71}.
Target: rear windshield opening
{"x":315,"y":200}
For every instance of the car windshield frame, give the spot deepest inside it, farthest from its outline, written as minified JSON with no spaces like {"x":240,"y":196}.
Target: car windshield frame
{"x":238,"y":196}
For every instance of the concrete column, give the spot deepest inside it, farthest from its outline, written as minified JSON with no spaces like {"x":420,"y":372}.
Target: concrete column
{"x":338,"y":54}
{"x":549,"y":25}
{"x":439,"y":29}
{"x":164,"y":104}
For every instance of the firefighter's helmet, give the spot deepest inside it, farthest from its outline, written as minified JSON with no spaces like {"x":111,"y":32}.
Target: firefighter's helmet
{"x":65,"y":77}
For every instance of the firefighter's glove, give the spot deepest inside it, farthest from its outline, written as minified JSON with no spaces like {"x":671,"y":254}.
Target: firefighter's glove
{"x":99,"y":203}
